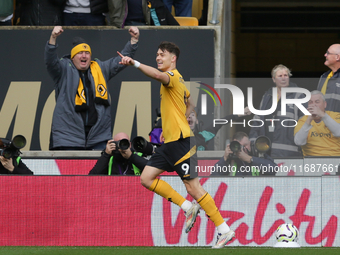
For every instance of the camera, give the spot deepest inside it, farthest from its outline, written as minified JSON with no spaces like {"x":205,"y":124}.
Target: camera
{"x":123,"y":144}
{"x":12,"y":148}
{"x":139,"y":144}
{"x":261,"y":145}
{"x":235,"y":147}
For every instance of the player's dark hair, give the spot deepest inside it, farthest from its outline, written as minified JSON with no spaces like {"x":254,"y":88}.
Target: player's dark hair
{"x":170,"y":47}
{"x":239,"y":136}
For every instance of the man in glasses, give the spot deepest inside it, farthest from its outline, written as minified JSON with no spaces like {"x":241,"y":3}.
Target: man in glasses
{"x":329,"y":83}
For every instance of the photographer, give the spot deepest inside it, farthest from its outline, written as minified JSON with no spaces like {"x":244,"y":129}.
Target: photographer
{"x":119,"y":159}
{"x":239,"y":160}
{"x":12,"y":164}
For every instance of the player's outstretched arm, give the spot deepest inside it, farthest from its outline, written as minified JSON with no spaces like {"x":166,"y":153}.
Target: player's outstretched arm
{"x":147,"y":70}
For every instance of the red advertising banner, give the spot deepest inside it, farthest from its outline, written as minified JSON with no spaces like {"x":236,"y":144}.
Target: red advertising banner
{"x":74,"y":210}
{"x":108,"y":211}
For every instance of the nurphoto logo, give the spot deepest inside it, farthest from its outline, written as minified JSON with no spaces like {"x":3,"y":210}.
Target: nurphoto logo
{"x":238,"y":103}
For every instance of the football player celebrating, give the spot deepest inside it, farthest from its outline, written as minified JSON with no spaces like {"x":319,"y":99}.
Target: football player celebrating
{"x":178,"y":153}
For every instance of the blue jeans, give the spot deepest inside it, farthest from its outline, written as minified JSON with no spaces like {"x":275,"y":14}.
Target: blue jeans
{"x":182,"y":7}
{"x":83,"y":19}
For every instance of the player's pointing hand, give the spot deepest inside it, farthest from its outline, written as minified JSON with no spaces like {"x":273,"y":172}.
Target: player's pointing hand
{"x":126,"y":60}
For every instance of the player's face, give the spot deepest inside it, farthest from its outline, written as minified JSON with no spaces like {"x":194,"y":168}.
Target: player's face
{"x":281,"y":78}
{"x":164,"y":60}
{"x":82,"y":60}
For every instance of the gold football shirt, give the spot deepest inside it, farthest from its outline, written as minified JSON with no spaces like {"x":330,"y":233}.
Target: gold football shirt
{"x":174,"y":97}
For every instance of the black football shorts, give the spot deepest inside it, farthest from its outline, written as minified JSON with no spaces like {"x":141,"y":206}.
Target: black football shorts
{"x":179,"y":156}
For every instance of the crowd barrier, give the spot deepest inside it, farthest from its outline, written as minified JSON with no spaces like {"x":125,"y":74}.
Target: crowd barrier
{"x":80,"y":163}
{"x":118,"y":211}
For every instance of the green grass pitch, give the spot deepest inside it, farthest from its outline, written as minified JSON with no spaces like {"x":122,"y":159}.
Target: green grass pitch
{"x":29,"y":250}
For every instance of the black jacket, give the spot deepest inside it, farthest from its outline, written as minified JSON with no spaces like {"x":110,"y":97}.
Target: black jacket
{"x":163,"y":14}
{"x":99,"y":6}
{"x":20,"y":168}
{"x":120,"y":165}
{"x":39,"y":12}
{"x":333,"y":90}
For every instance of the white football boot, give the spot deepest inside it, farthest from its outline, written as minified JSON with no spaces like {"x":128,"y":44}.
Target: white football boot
{"x":191,"y":215}
{"x":222,"y":239}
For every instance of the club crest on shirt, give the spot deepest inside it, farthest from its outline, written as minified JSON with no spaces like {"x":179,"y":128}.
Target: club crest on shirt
{"x":181,"y":80}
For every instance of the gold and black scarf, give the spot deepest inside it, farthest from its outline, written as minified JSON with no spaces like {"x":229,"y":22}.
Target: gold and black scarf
{"x":100,"y":86}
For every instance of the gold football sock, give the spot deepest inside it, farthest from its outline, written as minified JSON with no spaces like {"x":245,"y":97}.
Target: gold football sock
{"x":209,"y":206}
{"x":163,"y":189}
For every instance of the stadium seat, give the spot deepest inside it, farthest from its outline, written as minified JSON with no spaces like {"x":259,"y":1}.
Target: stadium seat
{"x":187,"y":21}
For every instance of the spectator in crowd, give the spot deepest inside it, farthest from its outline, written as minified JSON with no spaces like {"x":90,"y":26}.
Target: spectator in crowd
{"x":85,"y":12}
{"x":82,"y":116}
{"x":182,"y":7}
{"x":318,"y":134}
{"x":139,"y":13}
{"x":13,"y":164}
{"x":117,"y":161}
{"x":282,"y":137}
{"x":330,"y":80}
{"x":39,"y":13}
{"x":203,"y":137}
{"x":6,"y":12}
{"x":242,"y":162}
